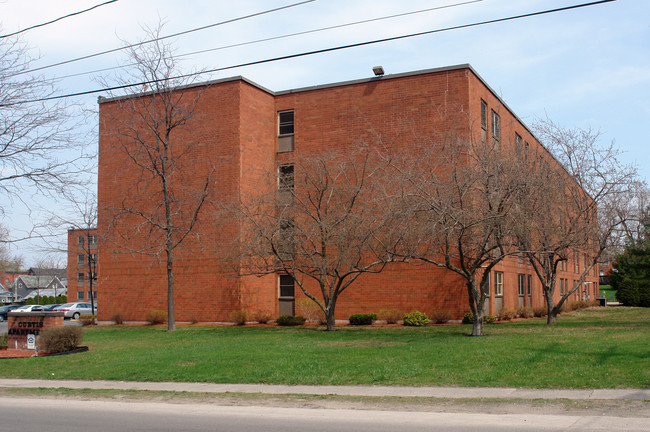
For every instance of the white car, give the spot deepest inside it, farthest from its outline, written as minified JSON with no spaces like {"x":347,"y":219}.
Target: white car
{"x":28,"y":308}
{"x":74,"y":310}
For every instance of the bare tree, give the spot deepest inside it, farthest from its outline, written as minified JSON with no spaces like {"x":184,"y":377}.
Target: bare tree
{"x":150,"y":129}
{"x":37,"y":151}
{"x":461,"y":194}
{"x":573,"y":214}
{"x":8,"y":261}
{"x":329,"y":222}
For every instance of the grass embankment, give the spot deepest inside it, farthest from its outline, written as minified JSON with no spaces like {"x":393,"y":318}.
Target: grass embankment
{"x":606,"y":348}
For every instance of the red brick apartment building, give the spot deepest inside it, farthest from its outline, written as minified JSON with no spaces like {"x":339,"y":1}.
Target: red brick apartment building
{"x":242,"y":125}
{"x":82,"y":264}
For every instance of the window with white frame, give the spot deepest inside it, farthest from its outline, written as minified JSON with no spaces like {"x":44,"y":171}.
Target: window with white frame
{"x":496,"y":128}
{"x":521,"y":285}
{"x":80,"y":259}
{"x":498,"y":284}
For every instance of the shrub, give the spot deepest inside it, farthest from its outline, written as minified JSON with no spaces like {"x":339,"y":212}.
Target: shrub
{"x":440,"y":316}
{"x":525,"y":312}
{"x":468,"y":318}
{"x":644,"y":293}
{"x":238,"y":317}
{"x":489,"y":319}
{"x":290,"y":320}
{"x":3,"y":341}
{"x":540,"y":311}
{"x":391,"y":316}
{"x":87,"y":319}
{"x":117,"y":318}
{"x":628,"y":292}
{"x":155,"y":316}
{"x":415,"y":319}
{"x":507,"y":314}
{"x":309,"y":309}
{"x":60,"y":339}
{"x":362,"y":319}
{"x":262,"y":316}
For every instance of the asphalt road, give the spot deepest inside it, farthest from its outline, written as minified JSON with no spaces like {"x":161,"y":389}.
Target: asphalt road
{"x":27,"y":414}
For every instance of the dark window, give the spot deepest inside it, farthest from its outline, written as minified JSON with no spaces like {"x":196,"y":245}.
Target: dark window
{"x":483,"y":114}
{"x":92,"y":240}
{"x":93,"y":259}
{"x":286,"y":237}
{"x":526,"y":150}
{"x":286,"y":178}
{"x":80,"y":295}
{"x":521,"y":286}
{"x":80,"y":259}
{"x":530,"y":281}
{"x":518,"y":144}
{"x":287,"y":286}
{"x":81,"y":277}
{"x":80,"y":241}
{"x":285,"y":123}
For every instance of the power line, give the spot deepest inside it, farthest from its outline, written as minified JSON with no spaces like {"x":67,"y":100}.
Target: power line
{"x":161,"y":38}
{"x":283,"y":36}
{"x":57,"y":19}
{"x":320,"y":51}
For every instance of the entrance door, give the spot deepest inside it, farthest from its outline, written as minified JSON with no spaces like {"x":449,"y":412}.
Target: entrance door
{"x":286,"y":300}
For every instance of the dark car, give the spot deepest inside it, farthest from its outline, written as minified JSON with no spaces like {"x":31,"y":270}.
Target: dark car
{"x":4,"y":310}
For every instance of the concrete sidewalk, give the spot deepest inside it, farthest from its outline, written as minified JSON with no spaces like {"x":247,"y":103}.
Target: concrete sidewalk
{"x":435,"y":392}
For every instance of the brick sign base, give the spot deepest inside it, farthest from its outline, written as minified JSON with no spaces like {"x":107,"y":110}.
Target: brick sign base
{"x":25,"y":328}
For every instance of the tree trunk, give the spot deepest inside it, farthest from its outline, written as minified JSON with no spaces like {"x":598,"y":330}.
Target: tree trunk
{"x":551,"y":311}
{"x":171,"y":320}
{"x":477,"y":328}
{"x":331,"y":322}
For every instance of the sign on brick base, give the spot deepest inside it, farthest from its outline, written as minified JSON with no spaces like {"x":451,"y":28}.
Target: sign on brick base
{"x":26,"y":327}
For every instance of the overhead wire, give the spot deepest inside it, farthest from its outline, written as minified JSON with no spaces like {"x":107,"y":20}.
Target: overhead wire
{"x":160,"y":38}
{"x":300,"y":33}
{"x":57,"y":19}
{"x":320,"y":51}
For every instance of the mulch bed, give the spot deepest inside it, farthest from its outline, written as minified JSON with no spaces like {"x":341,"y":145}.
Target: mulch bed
{"x":7,"y":354}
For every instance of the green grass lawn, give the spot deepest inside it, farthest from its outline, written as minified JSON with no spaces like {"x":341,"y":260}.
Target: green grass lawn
{"x":607,"y":292}
{"x":606,"y":348}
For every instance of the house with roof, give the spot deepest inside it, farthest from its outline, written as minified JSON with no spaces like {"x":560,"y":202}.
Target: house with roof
{"x":26,"y":286}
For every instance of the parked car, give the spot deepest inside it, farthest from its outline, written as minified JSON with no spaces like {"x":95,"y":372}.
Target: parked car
{"x":4,"y":310}
{"x":29,"y":308}
{"x":74,"y":310}
{"x":51,"y":307}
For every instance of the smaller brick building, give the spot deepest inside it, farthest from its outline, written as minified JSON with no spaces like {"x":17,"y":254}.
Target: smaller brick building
{"x":82,"y":264}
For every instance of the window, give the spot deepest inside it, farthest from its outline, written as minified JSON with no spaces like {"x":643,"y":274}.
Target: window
{"x":285,"y":123}
{"x":93,"y":275}
{"x":81,"y":277}
{"x":80,"y":242}
{"x":80,"y":259}
{"x":496,"y":127}
{"x":530,"y":283}
{"x":518,"y":144}
{"x":285,"y":131}
{"x":287,"y":286}
{"x":498,"y":284}
{"x":286,"y":237}
{"x":483,"y":114}
{"x":94,"y":295}
{"x":562,"y":287}
{"x":521,"y":285}
{"x":93,"y":259}
{"x":576,"y":262}
{"x":92,"y":240}
{"x":526,"y":150}
{"x":285,"y":184}
{"x":80,"y":296}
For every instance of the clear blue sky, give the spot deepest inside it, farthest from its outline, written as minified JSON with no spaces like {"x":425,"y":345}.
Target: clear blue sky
{"x":588,"y":67}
